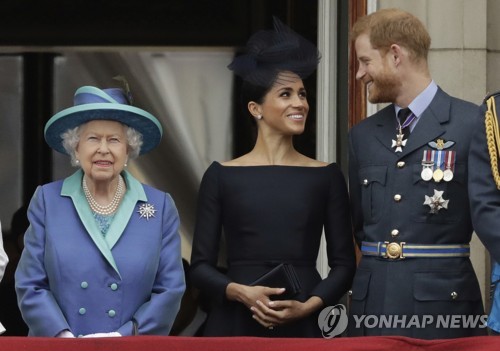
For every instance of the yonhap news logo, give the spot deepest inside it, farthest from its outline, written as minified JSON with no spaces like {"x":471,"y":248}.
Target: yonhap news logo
{"x":448,"y":321}
{"x":333,"y":321}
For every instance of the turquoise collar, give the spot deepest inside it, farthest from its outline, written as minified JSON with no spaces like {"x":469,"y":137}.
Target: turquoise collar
{"x":72,"y":187}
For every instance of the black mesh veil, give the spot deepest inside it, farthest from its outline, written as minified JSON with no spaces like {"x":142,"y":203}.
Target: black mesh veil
{"x":269,"y":52}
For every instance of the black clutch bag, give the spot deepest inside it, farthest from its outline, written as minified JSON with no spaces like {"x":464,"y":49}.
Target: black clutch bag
{"x":281,"y":276}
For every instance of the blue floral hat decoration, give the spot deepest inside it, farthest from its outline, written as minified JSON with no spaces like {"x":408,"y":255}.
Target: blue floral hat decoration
{"x":91,"y":103}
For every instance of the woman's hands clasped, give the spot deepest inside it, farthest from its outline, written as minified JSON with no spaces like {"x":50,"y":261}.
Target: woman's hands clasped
{"x":270,"y":313}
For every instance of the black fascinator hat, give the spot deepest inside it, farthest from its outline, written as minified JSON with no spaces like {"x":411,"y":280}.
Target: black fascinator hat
{"x":269,"y":52}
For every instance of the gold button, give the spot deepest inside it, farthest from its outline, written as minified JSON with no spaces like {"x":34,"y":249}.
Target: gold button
{"x":454,"y":295}
{"x":394,"y":232}
{"x":397,"y":197}
{"x":365,"y":182}
{"x":400,"y":164}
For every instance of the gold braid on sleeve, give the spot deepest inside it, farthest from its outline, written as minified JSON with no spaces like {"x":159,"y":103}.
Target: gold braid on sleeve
{"x":493,"y":138}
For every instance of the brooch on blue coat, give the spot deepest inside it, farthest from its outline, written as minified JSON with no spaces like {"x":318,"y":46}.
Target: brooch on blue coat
{"x":146,"y":211}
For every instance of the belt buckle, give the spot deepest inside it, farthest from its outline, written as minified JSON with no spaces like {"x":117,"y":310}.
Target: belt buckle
{"x":394,"y":250}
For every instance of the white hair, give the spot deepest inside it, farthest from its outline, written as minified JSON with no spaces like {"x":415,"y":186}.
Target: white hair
{"x":71,"y":138}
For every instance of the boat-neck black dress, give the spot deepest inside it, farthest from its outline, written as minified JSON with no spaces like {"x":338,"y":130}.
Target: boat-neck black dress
{"x":269,"y":215}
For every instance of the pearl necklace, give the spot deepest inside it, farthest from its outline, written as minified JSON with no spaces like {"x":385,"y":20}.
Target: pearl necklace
{"x":112,"y":206}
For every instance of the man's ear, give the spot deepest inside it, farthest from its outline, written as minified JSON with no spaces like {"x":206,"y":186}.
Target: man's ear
{"x":396,"y":52}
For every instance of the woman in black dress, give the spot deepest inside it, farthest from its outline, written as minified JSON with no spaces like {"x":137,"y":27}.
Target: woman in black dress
{"x":272,"y":205}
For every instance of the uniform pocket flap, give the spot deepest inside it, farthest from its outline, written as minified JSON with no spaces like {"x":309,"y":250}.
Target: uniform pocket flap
{"x":360,"y":284}
{"x":373,"y":174}
{"x":445,"y":286}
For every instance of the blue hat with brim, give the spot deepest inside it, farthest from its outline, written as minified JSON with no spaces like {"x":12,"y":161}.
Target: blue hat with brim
{"x":91,"y":103}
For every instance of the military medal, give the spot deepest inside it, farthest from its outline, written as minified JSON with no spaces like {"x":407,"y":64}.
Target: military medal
{"x":399,"y":142}
{"x":438,"y":172}
{"x":436,"y":202}
{"x":438,"y":175}
{"x":427,"y":165}
{"x":447,"y":175}
{"x":427,"y":172}
{"x":438,"y":164}
{"x":449,"y":165}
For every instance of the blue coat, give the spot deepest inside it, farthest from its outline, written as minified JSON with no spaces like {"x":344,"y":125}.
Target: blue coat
{"x":387,"y":194}
{"x":72,"y":277}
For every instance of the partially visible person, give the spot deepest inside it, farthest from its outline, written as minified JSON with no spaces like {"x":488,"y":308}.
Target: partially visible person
{"x":408,"y":188}
{"x":190,"y":319}
{"x":102,"y":253}
{"x":272,"y":204}
{"x":10,"y":315}
{"x":484,"y":194}
{"x":3,"y":263}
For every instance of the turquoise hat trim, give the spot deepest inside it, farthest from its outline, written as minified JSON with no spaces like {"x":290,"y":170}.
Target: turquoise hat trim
{"x":139,"y":119}
{"x":95,"y":91}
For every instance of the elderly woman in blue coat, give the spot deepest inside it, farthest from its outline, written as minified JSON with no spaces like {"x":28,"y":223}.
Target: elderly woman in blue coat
{"x":102,"y":253}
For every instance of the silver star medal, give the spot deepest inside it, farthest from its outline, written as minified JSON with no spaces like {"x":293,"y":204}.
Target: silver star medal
{"x":146,"y":211}
{"x":399,"y":142}
{"x":436,"y":202}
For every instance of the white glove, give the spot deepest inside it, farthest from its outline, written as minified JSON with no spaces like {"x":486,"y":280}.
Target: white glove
{"x":102,"y":335}
{"x":65,"y":334}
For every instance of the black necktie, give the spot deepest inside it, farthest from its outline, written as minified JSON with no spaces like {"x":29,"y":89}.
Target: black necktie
{"x":402,"y":116}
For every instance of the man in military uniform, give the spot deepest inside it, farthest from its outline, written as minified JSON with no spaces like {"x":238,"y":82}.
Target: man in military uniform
{"x":408,"y":187}
{"x":484,"y":193}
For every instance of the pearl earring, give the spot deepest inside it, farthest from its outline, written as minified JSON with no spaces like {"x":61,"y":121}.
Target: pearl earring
{"x":77,"y":162}
{"x":259,"y":117}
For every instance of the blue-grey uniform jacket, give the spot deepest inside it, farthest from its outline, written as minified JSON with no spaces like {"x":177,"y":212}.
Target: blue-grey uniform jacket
{"x":388,"y":193}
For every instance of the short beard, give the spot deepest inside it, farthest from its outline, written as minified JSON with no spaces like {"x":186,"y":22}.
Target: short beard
{"x":384,"y":89}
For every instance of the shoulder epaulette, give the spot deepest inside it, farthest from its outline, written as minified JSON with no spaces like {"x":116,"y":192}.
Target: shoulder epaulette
{"x":492,"y":135}
{"x":495,"y":94}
